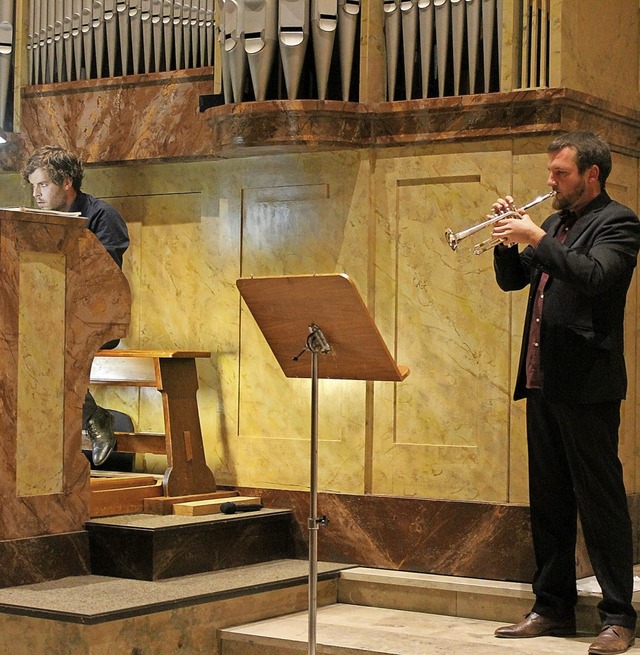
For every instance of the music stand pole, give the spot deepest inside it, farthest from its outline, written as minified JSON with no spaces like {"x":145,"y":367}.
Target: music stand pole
{"x":283,"y":307}
{"x":316,"y":344}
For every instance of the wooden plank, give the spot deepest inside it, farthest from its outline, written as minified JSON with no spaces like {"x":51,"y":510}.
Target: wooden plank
{"x":110,"y":502}
{"x":154,"y":354}
{"x":101,"y":483}
{"x":141,"y":442}
{"x":165,"y":504}
{"x":212,"y":506}
{"x":122,"y":370}
{"x":123,"y":382}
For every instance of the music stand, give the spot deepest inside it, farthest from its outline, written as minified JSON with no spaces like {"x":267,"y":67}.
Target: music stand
{"x":320,"y":314}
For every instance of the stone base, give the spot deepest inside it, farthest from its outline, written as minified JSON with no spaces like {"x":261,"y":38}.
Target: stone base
{"x":150,"y":547}
{"x":44,"y":558}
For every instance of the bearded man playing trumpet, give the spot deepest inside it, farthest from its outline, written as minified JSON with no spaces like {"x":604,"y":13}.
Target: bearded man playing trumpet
{"x":579,"y":266}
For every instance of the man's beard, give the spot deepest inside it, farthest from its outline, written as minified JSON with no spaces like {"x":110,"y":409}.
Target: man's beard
{"x":569,"y":201}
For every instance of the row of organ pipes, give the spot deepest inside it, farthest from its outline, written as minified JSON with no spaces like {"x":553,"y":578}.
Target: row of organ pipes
{"x":433,"y":47}
{"x":70,"y":40}
{"x":426,"y":27}
{"x":439,"y":34}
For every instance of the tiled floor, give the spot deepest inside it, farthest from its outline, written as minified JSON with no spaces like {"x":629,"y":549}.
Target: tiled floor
{"x":354,"y":628}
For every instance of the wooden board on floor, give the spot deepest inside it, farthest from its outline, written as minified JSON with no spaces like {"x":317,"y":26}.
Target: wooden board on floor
{"x":164,"y":505}
{"x":211,"y":506}
{"x":121,"y":482}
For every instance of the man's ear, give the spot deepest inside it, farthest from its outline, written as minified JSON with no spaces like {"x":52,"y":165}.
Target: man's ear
{"x":594,"y":173}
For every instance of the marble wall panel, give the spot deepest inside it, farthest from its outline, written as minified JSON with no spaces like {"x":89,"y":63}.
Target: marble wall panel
{"x":596,"y":46}
{"x":41,"y":332}
{"x":447,"y":435}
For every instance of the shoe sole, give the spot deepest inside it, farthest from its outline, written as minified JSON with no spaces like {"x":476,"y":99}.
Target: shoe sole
{"x":548,"y":633}
{"x":615,"y":652}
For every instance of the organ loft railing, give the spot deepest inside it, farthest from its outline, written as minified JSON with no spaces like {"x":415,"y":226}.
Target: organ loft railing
{"x":281,"y":49}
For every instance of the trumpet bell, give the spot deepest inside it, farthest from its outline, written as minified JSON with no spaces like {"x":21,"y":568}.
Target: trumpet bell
{"x":452,"y":238}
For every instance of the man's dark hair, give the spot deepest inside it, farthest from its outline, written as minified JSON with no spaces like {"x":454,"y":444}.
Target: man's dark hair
{"x":590,"y":149}
{"x":58,"y":162}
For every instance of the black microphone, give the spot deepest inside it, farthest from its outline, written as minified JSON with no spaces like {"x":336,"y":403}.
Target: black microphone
{"x":232,"y":508}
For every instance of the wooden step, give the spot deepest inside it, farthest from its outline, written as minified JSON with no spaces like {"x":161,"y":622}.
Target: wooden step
{"x":165,"y":504}
{"x":211,"y":505}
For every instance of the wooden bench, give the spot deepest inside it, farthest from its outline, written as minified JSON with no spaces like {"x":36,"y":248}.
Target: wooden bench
{"x":173,"y":373}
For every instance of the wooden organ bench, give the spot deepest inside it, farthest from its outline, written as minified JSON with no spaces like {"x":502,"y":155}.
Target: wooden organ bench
{"x":173,"y":373}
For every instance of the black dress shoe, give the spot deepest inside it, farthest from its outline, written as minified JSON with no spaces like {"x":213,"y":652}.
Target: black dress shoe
{"x":535,"y":625}
{"x":100,"y":431}
{"x":612,"y":640}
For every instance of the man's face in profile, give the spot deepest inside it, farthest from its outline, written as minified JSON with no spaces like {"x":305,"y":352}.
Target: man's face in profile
{"x":49,"y":195}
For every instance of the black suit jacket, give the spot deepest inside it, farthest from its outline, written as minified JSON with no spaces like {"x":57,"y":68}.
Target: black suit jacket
{"x":582,"y":330}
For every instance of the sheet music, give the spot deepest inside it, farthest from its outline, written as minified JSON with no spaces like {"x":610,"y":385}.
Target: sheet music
{"x":35,"y":210}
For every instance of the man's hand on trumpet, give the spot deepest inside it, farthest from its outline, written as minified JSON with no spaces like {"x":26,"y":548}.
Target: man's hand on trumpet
{"x":512,"y":230}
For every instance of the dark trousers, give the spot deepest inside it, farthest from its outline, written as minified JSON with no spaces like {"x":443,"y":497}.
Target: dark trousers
{"x":90,"y":406}
{"x":574,"y":470}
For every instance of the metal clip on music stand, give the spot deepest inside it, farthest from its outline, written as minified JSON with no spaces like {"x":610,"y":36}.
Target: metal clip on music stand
{"x":328,"y":312}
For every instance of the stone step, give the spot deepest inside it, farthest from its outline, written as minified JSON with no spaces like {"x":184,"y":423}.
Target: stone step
{"x":401,"y":613}
{"x":345,"y":629}
{"x":156,"y":547}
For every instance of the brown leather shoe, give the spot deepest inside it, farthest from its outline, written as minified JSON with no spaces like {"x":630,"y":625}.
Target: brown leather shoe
{"x":535,"y":625}
{"x":613,"y":639}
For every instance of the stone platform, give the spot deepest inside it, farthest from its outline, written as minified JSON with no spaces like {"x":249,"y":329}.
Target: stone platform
{"x":152,"y":547}
{"x":261,"y":609}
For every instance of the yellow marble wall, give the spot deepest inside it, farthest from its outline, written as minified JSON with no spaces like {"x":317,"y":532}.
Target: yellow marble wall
{"x":450,"y":430}
{"x":592,"y":46}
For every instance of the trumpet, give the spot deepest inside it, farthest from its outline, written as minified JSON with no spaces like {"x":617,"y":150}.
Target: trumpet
{"x":454,"y":238}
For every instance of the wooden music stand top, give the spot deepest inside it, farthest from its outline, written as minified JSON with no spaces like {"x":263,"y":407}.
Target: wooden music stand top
{"x":285,"y":306}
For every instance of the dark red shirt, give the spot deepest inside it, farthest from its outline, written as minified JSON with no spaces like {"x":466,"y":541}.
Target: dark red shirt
{"x":534,"y":372}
